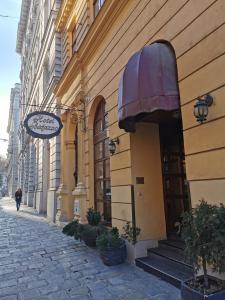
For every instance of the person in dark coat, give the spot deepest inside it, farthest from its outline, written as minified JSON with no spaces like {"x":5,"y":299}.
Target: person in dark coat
{"x":18,"y":198}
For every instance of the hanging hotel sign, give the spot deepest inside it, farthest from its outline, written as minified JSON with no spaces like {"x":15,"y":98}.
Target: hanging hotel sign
{"x":42,"y":124}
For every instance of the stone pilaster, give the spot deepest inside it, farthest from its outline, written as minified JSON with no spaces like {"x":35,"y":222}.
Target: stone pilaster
{"x":36,"y":174}
{"x":46,"y":173}
{"x":31,"y":176}
{"x":61,"y":215}
{"x":40,"y":206}
{"x":80,"y":207}
{"x":65,"y":190}
{"x":62,"y":191}
{"x":54,"y":178}
{"x":21,"y":172}
{"x":80,"y":191}
{"x":26,"y":174}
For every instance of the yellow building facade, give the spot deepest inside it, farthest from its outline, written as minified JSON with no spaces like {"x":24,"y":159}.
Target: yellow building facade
{"x":167,"y":162}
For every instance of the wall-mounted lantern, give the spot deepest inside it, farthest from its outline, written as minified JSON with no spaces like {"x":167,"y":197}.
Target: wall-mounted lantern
{"x":201,"y":108}
{"x":112,"y":145}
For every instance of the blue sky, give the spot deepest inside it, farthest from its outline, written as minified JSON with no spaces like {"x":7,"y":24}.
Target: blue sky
{"x":9,"y":61}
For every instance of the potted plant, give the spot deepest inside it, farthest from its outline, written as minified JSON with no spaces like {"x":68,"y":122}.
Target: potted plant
{"x":93,"y":217}
{"x":203,"y":231}
{"x":112,"y":247}
{"x":71,"y":228}
{"x":89,"y":232}
{"x":130,"y":233}
{"x":86,"y":232}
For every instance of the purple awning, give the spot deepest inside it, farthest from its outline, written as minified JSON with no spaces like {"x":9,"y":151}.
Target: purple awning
{"x":148,"y":87}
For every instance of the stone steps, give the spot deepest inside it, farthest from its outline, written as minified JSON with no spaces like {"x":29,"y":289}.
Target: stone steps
{"x":167,"y":261}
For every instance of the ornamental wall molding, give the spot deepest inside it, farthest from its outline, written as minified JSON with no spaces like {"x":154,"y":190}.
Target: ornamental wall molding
{"x":25,"y":7}
{"x":64,"y":13}
{"x":98,"y":29}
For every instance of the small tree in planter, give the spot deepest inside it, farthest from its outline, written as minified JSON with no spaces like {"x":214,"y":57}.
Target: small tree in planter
{"x":218,"y":249}
{"x":89,"y":232}
{"x":112,"y":247}
{"x":203,"y":230}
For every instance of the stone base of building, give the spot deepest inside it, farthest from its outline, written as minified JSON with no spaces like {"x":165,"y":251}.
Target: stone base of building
{"x":11,"y":195}
{"x":30,"y":199}
{"x":59,"y":223}
{"x":34,"y":199}
{"x":61,"y":219}
{"x":140,"y":249}
{"x":80,"y":208}
{"x":24,"y":198}
{"x":40,"y":206}
{"x":64,"y":213}
{"x":52,"y":205}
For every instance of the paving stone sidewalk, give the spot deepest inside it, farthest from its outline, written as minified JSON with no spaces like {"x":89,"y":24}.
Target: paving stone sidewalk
{"x":38,"y":262}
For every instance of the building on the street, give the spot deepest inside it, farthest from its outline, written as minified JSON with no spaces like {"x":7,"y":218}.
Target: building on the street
{"x":39,"y":47}
{"x":132,"y":74}
{"x":12,"y":129}
{"x":3,"y":176}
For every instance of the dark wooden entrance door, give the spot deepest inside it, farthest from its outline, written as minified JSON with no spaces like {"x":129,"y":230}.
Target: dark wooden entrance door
{"x":174,"y":175}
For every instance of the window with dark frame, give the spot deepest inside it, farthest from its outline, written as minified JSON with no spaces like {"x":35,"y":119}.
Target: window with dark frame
{"x":97,"y":6}
{"x":102,"y":164}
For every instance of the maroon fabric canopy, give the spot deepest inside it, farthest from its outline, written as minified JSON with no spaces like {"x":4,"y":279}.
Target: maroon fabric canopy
{"x":148,"y":87}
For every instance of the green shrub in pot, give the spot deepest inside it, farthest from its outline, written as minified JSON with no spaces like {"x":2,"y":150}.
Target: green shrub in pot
{"x":93,"y":217}
{"x":86,"y":232}
{"x":89,"y":233}
{"x":71,"y":228}
{"x":112,"y":247}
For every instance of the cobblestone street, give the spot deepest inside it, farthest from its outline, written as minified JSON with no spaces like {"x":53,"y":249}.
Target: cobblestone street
{"x":38,"y":262}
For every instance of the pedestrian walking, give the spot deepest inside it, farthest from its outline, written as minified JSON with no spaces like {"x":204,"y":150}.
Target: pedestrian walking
{"x":18,"y":198}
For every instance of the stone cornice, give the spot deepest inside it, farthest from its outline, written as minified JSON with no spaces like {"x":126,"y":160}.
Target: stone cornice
{"x":63,"y":14}
{"x":108,"y":13}
{"x":22,"y":24}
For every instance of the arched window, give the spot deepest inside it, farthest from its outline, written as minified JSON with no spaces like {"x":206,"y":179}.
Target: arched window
{"x":102,"y":163}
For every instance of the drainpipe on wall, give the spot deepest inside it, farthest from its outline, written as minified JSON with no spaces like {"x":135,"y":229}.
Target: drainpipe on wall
{"x":133,"y":214}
